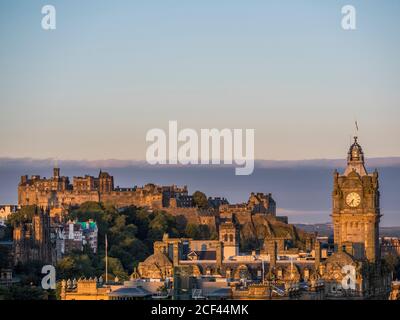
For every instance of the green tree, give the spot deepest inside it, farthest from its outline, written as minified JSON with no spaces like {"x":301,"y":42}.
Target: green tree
{"x":200,"y":232}
{"x":25,"y":214}
{"x":200,"y":200}
{"x":116,"y":269}
{"x":192,"y":231}
{"x":161,"y":223}
{"x":393,"y":263}
{"x":23,"y":292}
{"x":76,"y":265}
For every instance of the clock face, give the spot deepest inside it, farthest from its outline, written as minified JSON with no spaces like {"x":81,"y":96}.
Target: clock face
{"x":353,"y":199}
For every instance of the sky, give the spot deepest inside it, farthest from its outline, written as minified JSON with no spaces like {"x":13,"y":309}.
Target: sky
{"x":112,"y":70}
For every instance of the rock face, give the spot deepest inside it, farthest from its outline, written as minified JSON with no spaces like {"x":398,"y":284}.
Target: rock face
{"x":257,"y":229}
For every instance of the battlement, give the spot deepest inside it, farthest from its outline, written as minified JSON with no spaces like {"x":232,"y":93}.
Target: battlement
{"x":57,"y":191}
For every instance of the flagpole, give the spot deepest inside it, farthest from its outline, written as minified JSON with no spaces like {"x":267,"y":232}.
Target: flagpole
{"x":263,"y":270}
{"x":106,"y":260}
{"x":356,"y":123}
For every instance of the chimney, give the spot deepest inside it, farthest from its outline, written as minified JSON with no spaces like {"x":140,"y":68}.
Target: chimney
{"x":56,"y":173}
{"x":317,"y":253}
{"x":272,"y":253}
{"x":176,"y":254}
{"x":349,"y":248}
{"x":219,"y":255}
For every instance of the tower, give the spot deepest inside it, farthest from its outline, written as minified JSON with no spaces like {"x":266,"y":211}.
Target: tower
{"x":56,"y":173}
{"x":229,"y":236}
{"x":106,"y":182}
{"x":355,"y":208}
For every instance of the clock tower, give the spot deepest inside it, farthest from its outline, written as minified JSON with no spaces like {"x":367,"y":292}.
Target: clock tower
{"x":355,"y":208}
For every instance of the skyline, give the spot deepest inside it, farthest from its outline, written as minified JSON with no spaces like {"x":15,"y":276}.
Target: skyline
{"x":302,"y":189}
{"x":91,"y":89}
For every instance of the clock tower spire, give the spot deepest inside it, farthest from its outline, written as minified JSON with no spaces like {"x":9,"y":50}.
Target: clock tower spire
{"x":355,"y":159}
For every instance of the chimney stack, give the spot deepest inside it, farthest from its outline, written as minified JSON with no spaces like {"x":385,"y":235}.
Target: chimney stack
{"x":317,"y":253}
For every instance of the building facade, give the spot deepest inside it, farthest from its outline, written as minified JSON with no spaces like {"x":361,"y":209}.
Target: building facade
{"x":32,"y":239}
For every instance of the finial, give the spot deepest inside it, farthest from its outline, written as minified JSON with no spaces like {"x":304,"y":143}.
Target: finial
{"x":355,"y":138}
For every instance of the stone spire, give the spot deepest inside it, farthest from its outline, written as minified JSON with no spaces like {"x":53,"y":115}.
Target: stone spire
{"x":355,"y":159}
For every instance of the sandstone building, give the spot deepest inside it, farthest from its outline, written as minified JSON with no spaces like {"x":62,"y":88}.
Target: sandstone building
{"x":57,"y":192}
{"x":31,"y":240}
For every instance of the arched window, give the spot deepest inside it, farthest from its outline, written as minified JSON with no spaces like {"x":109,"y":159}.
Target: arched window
{"x":225,"y":237}
{"x":231,"y":237}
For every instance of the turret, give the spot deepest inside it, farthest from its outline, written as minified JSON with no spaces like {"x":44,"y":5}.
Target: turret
{"x":56,"y":173}
{"x":355,"y":160}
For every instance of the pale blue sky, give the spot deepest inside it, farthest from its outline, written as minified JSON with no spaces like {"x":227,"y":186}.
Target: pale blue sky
{"x":114,"y":69}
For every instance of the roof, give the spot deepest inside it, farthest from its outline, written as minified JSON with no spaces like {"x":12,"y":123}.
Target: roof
{"x":341,"y":258}
{"x":92,"y":224}
{"x":221,"y":292}
{"x":159,"y":259}
{"x":104,"y":174}
{"x":130,"y":292}
{"x":204,"y":255}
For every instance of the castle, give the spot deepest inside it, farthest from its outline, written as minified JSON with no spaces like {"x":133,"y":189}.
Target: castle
{"x":57,"y":191}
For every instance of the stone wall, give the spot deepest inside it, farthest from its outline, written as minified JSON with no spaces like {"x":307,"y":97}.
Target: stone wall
{"x":30,"y":196}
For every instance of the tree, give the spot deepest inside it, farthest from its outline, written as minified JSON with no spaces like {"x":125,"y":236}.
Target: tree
{"x":23,"y":215}
{"x":192,"y":231}
{"x":393,"y":263}
{"x":200,"y":232}
{"x":5,"y":260}
{"x":200,"y":200}
{"x":162,"y":223}
{"x":75,"y":265}
{"x":20,"y":292}
{"x":116,"y":269}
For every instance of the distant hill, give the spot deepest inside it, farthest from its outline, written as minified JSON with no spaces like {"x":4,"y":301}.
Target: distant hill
{"x":326,"y":230}
{"x":323,"y":229}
